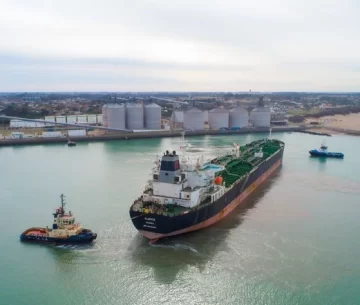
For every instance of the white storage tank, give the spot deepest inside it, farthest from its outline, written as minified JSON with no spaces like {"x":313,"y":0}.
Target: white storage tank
{"x":260,"y":117}
{"x":218,"y":118}
{"x":77,"y":133}
{"x":152,"y":116}
{"x":104,"y":116}
{"x":135,"y":116}
{"x":115,"y":116}
{"x":238,"y":117}
{"x":194,"y":119}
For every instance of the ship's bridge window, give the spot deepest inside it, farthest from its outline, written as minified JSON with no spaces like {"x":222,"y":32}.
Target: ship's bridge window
{"x":170,"y":166}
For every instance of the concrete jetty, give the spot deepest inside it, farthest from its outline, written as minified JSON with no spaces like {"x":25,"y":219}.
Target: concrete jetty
{"x":144,"y":135}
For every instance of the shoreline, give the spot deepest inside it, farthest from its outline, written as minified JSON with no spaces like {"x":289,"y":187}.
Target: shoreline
{"x":144,"y":135}
{"x":337,"y":124}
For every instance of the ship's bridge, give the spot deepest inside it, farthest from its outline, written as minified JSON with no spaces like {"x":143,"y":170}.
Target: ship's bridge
{"x":66,"y":220}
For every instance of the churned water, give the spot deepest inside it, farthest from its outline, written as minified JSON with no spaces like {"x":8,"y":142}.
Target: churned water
{"x":296,"y":241}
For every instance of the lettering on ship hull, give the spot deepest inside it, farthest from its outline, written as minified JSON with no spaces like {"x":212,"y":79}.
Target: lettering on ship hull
{"x":150,"y":223}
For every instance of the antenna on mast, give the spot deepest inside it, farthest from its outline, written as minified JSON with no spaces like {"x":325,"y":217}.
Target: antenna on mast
{"x":62,"y":202}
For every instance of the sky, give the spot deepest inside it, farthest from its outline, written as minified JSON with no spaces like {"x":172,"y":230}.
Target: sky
{"x":186,"y":45}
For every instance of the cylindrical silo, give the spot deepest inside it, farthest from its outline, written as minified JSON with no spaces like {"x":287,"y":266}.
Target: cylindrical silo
{"x":194,"y":119}
{"x":239,"y":117}
{"x":105,"y":116}
{"x":218,"y":118}
{"x":152,"y":116}
{"x":135,"y":116}
{"x":116,"y":116}
{"x":260,"y":117}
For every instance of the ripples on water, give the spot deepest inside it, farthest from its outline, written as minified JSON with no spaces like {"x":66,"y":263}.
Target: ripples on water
{"x":291,"y":243}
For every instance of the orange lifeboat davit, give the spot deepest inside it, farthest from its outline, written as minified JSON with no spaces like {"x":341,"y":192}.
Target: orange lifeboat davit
{"x":218,"y":180}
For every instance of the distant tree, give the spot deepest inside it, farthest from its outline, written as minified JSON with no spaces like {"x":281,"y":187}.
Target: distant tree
{"x":44,"y":112}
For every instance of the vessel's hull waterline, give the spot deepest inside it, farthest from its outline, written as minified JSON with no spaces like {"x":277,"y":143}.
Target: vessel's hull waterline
{"x":38,"y":235}
{"x":154,"y":226}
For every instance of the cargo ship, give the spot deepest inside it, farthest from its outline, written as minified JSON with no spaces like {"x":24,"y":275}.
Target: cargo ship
{"x":185,"y":196}
{"x":64,"y":230}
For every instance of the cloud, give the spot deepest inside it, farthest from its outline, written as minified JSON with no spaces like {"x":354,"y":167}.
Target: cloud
{"x":180,"y":45}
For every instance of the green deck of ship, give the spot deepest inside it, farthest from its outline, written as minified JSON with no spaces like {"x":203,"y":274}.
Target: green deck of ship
{"x":238,"y":167}
{"x":235,"y":169}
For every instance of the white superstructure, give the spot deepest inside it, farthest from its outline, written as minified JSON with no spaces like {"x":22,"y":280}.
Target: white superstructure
{"x":184,"y":184}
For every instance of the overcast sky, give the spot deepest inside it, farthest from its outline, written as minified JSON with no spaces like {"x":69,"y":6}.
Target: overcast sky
{"x":186,"y":45}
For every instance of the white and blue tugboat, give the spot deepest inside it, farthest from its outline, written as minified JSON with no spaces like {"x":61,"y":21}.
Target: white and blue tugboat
{"x":323,"y":152}
{"x":64,"y":230}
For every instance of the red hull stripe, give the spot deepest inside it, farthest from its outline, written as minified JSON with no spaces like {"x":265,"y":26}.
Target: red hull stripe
{"x":226,"y":211}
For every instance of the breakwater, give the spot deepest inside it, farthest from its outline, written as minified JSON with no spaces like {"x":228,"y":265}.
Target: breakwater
{"x":315,"y":133}
{"x":143,"y":135}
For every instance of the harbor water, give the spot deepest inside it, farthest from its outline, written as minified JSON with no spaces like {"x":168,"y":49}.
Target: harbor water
{"x":295,"y":241}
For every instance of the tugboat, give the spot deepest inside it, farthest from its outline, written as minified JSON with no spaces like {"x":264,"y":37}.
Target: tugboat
{"x":323,"y":152}
{"x":64,"y":230}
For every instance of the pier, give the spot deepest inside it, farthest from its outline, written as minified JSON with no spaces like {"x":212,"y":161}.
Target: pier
{"x":117,"y":135}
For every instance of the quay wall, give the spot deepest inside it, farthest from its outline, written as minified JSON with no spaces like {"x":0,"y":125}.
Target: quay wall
{"x":142,"y":135}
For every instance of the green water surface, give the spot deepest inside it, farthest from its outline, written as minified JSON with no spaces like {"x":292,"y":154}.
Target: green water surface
{"x":296,"y":241}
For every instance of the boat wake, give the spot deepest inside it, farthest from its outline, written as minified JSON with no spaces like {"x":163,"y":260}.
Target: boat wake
{"x":176,"y":246}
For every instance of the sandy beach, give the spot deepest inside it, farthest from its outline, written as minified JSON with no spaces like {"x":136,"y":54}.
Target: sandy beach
{"x":338,"y":123}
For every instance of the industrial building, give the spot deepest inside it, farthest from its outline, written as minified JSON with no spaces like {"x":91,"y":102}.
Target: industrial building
{"x":278,"y":118}
{"x":194,"y":119}
{"x":239,"y":117}
{"x":152,"y":116}
{"x":260,"y":117}
{"x":114,"y":116}
{"x":25,"y":124}
{"x":218,"y":118}
{"x":134,"y":116}
{"x":90,"y":119}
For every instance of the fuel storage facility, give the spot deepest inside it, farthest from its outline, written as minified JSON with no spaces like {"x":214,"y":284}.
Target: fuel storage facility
{"x":218,"y":118}
{"x":238,"y":117}
{"x":152,"y":116}
{"x":194,"y":119}
{"x":114,"y":116}
{"x":134,"y":116}
{"x":260,"y":117}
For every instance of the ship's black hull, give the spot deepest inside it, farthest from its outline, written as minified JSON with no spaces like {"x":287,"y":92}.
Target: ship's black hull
{"x":155,"y":226}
